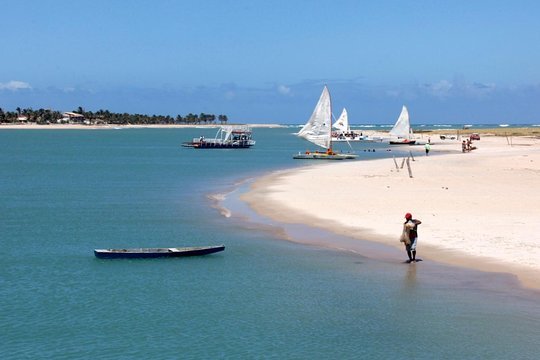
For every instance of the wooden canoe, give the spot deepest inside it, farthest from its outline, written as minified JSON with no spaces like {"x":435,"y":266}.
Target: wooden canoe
{"x":146,"y":253}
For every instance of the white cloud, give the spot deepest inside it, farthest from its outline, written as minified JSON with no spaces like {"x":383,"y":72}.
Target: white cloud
{"x":284,"y":90}
{"x":480,"y":90}
{"x":14,"y":85}
{"x":444,"y":89}
{"x":440,"y":89}
{"x":229,"y":95}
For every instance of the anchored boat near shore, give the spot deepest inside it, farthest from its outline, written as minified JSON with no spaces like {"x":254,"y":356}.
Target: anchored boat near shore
{"x":227,"y":137}
{"x":147,"y":253}
{"x":318,"y":130}
{"x":343,"y":131}
{"x":402,"y":133}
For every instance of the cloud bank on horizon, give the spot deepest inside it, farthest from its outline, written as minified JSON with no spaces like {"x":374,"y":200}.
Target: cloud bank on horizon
{"x":258,"y":62}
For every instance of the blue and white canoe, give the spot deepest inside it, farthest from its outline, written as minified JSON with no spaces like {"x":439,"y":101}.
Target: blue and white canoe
{"x":147,"y":253}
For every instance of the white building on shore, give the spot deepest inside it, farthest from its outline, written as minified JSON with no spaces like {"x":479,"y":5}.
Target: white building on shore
{"x":70,"y":118}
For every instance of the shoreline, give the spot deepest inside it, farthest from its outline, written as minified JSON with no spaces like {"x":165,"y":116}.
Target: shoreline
{"x":509,"y":133}
{"x":479,"y":209}
{"x":114,"y":127}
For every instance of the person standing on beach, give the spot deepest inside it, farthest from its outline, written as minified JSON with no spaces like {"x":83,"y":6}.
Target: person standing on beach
{"x":428,"y":147}
{"x":411,"y":227}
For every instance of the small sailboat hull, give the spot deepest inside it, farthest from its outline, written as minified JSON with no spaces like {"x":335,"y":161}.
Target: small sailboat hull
{"x":313,"y":156}
{"x":349,"y":139}
{"x":324,"y":156}
{"x":402,"y":142}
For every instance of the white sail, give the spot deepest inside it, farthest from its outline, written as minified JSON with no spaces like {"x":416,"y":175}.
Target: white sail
{"x":342,"y":124}
{"x":402,"y":127}
{"x":318,"y":128}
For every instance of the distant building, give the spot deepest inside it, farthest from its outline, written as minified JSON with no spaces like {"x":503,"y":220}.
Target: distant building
{"x":22,"y":118}
{"x":70,"y":118}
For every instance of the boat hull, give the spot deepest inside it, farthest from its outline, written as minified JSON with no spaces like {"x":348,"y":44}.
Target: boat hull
{"x":402,"y":142}
{"x":324,"y":156}
{"x":214,"y":145}
{"x":346,"y":139}
{"x":317,"y":157}
{"x":152,"y":253}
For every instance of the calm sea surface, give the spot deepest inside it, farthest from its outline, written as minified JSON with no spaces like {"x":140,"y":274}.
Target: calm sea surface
{"x":64,"y":193}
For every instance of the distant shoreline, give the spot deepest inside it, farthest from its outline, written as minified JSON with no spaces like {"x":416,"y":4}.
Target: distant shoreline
{"x":495,"y":131}
{"x":109,"y":126}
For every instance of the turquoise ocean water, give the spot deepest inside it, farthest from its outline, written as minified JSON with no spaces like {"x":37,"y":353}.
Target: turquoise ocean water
{"x":64,"y":193}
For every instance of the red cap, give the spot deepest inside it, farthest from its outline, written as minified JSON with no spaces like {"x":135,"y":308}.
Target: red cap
{"x":408,"y":216}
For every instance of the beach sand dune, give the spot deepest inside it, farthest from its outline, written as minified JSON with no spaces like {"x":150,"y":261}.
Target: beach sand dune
{"x":479,"y":209}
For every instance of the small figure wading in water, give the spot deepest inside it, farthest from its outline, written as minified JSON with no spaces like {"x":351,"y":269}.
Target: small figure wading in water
{"x":410,"y":236}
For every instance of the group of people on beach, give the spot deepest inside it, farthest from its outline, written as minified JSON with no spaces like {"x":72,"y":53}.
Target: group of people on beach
{"x":467,"y":145}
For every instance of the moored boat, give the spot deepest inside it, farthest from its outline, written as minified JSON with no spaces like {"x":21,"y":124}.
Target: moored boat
{"x":402,"y":142}
{"x":343,"y":131}
{"x":401,"y":133}
{"x":317,"y":155}
{"x":324,"y":155}
{"x":146,"y":253}
{"x":318,"y":131}
{"x":227,"y":137}
{"x":349,"y":137}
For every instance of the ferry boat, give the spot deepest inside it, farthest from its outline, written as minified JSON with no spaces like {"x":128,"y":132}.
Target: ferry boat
{"x":227,"y":137}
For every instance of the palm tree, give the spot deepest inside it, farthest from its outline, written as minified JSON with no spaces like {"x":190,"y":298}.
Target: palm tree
{"x":203,"y":118}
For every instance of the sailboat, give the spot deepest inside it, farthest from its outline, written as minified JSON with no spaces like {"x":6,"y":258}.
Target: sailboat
{"x":342,"y":123}
{"x":344,"y":132}
{"x":318,"y":131}
{"x":402,"y":132}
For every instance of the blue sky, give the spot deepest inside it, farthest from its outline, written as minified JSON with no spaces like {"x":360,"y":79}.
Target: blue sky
{"x":267,"y":61}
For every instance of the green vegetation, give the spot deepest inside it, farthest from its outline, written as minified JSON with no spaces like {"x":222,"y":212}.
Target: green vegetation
{"x":47,"y":116}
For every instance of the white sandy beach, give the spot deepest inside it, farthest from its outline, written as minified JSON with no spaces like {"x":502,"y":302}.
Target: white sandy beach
{"x":479,"y":209}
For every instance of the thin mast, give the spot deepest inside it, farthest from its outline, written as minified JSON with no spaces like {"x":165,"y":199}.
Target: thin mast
{"x":330,"y":98}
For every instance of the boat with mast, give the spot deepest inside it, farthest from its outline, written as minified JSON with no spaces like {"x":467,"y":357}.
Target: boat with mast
{"x":318,"y":130}
{"x":344,"y":132}
{"x":401,"y":133}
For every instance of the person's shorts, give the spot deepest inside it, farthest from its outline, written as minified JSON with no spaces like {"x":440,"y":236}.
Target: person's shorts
{"x":412,"y":245}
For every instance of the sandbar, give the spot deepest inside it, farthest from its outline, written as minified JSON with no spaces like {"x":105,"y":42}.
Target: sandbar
{"x":479,"y":209}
